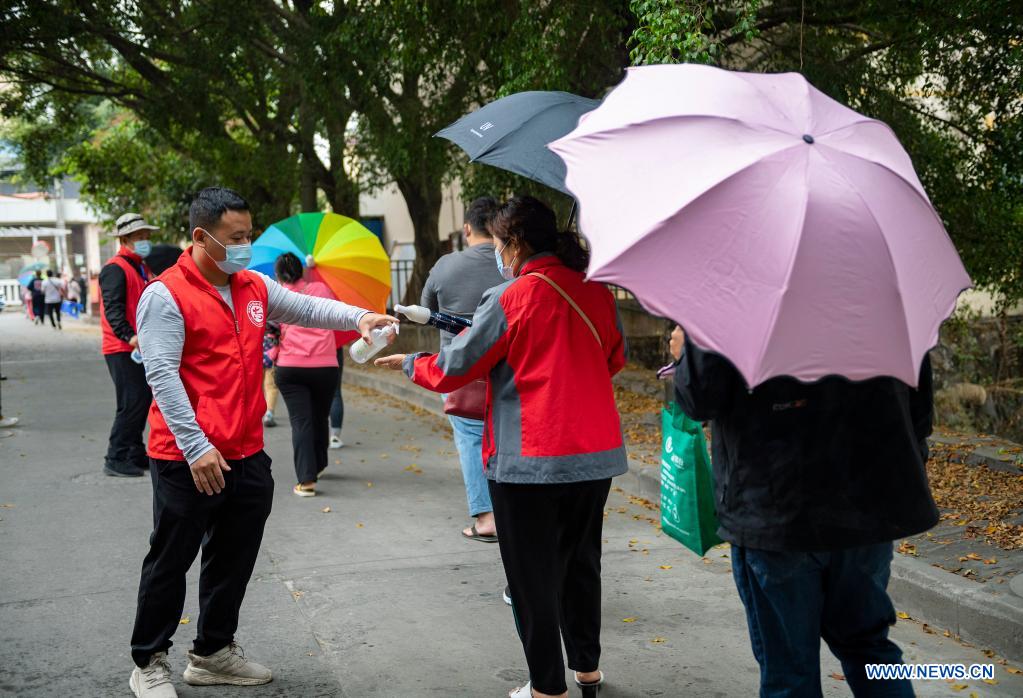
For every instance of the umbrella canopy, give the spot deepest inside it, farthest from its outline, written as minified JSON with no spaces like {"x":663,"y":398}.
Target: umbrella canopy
{"x":780,"y":228}
{"x":346,"y":256}
{"x":512,"y":133}
{"x":28,"y":272}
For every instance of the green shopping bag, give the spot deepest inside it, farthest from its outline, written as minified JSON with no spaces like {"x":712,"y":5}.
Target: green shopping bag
{"x":687,"y":484}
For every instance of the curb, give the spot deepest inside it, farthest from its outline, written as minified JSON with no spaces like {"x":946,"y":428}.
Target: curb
{"x":971,"y":611}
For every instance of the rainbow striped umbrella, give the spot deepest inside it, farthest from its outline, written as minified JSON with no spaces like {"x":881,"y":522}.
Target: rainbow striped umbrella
{"x":346,"y":256}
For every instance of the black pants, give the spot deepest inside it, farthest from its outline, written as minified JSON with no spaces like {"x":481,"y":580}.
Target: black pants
{"x":133,"y":399}
{"x":229,"y":528}
{"x":337,"y":407}
{"x":308,"y":393}
{"x":39,"y":309}
{"x":553,"y":532}
{"x":53,"y":312}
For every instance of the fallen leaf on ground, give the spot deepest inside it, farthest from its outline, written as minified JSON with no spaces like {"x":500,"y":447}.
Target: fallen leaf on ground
{"x":325,"y":510}
{"x":959,"y":686}
{"x":973,"y":556}
{"x":628,"y":620}
{"x":658,"y":640}
{"x":903,"y":615}
{"x":7,"y":506}
{"x":990,"y":682}
{"x":1013,"y":670}
{"x":665,"y":567}
{"x":907,"y":548}
{"x":837,"y":677}
{"x":991,"y":561}
{"x":359,"y":525}
{"x":947,"y":633}
{"x":185,"y":621}
{"x":369,"y":484}
{"x":296,"y":595}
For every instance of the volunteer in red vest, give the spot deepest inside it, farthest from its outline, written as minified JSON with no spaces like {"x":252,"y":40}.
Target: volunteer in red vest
{"x":201,"y":330}
{"x":121,"y":284}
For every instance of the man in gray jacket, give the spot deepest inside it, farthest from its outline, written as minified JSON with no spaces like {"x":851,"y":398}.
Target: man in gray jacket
{"x":456,"y":285}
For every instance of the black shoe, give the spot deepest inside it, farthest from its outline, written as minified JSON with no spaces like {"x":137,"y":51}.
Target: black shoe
{"x":506,"y":595}
{"x":123,"y":470}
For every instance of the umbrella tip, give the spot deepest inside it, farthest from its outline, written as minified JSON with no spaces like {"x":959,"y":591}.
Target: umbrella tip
{"x":808,"y":138}
{"x":310,"y":262}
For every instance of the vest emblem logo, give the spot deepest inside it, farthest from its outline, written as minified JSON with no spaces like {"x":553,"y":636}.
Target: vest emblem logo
{"x":255,"y":312}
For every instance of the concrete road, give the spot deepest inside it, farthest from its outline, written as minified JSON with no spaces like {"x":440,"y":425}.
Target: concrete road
{"x":380,"y":596}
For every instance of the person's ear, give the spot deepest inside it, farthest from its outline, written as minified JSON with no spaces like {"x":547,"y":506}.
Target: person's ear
{"x":197,"y":236}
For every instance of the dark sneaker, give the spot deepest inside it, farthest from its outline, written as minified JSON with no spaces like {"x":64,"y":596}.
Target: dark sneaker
{"x":123,"y":470}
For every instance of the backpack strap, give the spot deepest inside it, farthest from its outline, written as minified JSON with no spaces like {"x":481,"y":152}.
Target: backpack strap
{"x":571,"y":302}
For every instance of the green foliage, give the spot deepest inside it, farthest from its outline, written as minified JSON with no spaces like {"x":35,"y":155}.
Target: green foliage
{"x":946,"y":76}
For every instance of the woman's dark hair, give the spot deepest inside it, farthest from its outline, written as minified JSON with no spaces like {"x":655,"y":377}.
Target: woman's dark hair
{"x":529,"y":221}
{"x":288,"y":268}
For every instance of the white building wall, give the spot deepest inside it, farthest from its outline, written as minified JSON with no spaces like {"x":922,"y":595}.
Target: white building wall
{"x":388,"y":203}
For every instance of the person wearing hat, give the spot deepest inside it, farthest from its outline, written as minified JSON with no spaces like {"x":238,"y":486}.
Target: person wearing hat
{"x":121,"y":283}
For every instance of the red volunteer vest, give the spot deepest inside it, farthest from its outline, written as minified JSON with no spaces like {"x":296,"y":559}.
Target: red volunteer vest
{"x":221,"y":362}
{"x":134,"y":286}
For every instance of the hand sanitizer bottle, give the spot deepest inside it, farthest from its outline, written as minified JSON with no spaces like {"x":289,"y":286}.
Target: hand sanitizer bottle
{"x":361,"y":352}
{"x":442,"y":321}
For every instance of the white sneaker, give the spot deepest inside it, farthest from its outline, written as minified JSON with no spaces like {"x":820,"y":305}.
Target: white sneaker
{"x":155,"y":680}
{"x":336,"y":442}
{"x":228,"y":666}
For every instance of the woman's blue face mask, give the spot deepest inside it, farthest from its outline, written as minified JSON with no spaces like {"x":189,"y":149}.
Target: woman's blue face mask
{"x":506,"y":272}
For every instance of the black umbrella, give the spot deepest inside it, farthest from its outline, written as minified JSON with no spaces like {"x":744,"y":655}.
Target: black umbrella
{"x":162,"y":257}
{"x":513,"y":132}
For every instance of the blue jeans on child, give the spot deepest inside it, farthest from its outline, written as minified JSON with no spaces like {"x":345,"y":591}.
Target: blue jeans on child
{"x":793,"y":599}
{"x":469,"y":442}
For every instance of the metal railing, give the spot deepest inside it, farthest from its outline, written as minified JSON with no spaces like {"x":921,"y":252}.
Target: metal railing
{"x":401,"y":272}
{"x":10,"y":292}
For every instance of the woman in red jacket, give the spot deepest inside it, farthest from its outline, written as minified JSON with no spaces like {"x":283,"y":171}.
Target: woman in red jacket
{"x":548,"y":343}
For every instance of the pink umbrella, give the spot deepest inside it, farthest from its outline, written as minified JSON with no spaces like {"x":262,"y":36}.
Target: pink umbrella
{"x":780,"y":228}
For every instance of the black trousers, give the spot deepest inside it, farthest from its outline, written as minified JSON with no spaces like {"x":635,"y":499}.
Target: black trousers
{"x":229,"y":529}
{"x":308,"y":393}
{"x":133,"y":399}
{"x":553,"y":532}
{"x":53,"y":312}
{"x":337,"y":406}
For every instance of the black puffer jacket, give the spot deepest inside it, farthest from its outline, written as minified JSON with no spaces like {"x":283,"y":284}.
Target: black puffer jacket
{"x":812,"y":467}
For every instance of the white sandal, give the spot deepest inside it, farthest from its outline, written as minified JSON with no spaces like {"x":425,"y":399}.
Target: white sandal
{"x":523,"y":692}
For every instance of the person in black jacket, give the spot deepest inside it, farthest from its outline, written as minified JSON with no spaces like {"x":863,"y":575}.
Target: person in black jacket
{"x":121,"y":283}
{"x":813,"y":482}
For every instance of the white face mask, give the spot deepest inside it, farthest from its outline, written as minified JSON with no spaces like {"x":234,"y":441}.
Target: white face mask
{"x":506,"y":272}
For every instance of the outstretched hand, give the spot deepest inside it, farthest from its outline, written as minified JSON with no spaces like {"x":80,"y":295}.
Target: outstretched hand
{"x":394,"y":362}
{"x":371,"y":321}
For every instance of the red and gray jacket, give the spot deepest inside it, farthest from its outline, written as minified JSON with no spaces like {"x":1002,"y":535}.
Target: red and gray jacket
{"x":551,"y":414}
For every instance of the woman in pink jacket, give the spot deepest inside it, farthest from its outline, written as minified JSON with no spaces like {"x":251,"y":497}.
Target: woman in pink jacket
{"x":307,"y":379}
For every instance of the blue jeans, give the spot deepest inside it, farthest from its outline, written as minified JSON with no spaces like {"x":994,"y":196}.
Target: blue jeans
{"x":794,"y":599}
{"x":469,"y":442}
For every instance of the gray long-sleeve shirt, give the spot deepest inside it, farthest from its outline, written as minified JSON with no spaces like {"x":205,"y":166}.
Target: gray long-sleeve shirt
{"x":458,"y":281}
{"x":161,"y":332}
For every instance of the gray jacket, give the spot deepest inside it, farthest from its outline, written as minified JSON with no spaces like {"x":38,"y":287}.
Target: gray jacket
{"x":458,"y":281}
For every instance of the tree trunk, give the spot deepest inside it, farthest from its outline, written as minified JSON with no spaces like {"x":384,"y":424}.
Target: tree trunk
{"x":423,"y":200}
